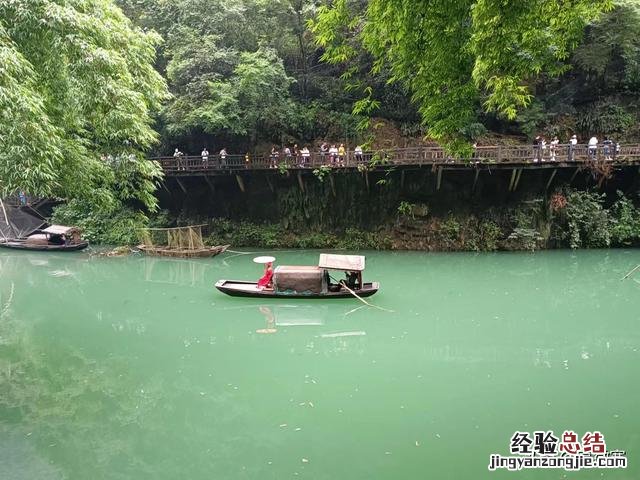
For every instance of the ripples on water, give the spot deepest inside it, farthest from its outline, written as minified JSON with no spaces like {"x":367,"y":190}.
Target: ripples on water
{"x":136,"y":368}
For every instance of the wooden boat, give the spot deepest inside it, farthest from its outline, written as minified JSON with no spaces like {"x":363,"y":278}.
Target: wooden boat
{"x":309,"y":281}
{"x":182,"y":242}
{"x":55,"y":238}
{"x":184,"y":252}
{"x":24,"y":245}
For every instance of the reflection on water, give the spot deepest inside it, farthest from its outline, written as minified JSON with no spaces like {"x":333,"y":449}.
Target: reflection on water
{"x":174,"y":271}
{"x":137,"y":368}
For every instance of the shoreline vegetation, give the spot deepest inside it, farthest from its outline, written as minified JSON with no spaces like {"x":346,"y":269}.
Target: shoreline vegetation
{"x":568,"y":218}
{"x":92,"y":89}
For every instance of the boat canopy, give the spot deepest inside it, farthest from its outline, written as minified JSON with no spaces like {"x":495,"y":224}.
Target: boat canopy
{"x":299,"y":279}
{"x":59,"y":230}
{"x":353,"y":263}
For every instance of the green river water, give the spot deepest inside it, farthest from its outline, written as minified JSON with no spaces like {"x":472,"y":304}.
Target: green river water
{"x":136,"y":368}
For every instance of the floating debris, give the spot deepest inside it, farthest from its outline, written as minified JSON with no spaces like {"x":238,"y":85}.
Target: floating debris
{"x":311,"y":404}
{"x":305,"y":460}
{"x":298,"y":429}
{"x":417,"y":443}
{"x":282,"y":425}
{"x":343,"y":334}
{"x":60,"y":273}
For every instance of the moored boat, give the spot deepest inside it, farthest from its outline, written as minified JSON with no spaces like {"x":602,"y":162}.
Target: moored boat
{"x":309,"y":281}
{"x":57,"y":238}
{"x":184,"y":252}
{"x":180,"y":242}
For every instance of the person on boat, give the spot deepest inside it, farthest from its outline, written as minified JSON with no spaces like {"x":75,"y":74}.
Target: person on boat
{"x":266,"y":281}
{"x":352,"y":279}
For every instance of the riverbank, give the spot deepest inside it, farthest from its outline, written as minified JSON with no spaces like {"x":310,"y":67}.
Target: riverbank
{"x":568,"y":219}
{"x":389,"y":212}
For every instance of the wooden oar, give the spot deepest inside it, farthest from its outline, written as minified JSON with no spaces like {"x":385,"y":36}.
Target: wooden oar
{"x":628,"y":274}
{"x":362,"y":299}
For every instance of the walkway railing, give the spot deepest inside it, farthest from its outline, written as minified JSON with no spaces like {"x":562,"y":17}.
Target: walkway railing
{"x":414,"y":156}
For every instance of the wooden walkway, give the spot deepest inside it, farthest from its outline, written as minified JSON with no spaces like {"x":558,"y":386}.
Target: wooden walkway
{"x":508,"y":157}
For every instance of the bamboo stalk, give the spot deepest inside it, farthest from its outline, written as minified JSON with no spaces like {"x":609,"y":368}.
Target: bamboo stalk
{"x":363,"y":300}
{"x":6,"y":219}
{"x":628,"y":274}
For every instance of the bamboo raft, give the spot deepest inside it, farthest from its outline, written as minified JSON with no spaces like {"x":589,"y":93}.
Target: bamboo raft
{"x":177,"y":242}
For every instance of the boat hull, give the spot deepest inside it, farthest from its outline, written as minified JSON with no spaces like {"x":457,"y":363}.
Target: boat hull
{"x":191,"y":253}
{"x":237,"y":288}
{"x":17,"y":245}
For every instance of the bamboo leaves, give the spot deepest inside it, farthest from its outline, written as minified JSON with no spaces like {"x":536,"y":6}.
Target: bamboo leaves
{"x":77,"y":84}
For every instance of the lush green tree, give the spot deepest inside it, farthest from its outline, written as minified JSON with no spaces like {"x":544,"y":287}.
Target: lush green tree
{"x":600,"y":94}
{"x":78,"y":92}
{"x":207,"y":40}
{"x":454,"y":56}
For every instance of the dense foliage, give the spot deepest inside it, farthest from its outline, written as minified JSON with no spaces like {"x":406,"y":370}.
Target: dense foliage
{"x":456,"y":56}
{"x":84,"y":95}
{"x":78,"y":90}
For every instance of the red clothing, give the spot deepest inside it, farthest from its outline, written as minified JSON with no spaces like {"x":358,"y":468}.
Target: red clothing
{"x":265,"y":281}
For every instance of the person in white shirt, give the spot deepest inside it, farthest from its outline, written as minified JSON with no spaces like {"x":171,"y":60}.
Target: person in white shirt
{"x":306,"y":155}
{"x":358,"y":153}
{"x":223,"y":157}
{"x":572,"y":146}
{"x":543,"y":148}
{"x":553,"y":146}
{"x":205,"y":156}
{"x":333,"y":154}
{"x":593,"y":147}
{"x":177,"y":154}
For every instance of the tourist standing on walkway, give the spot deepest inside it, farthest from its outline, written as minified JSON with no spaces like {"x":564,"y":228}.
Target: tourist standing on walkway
{"x":593,"y":147}
{"x":324,"y":148}
{"x":342,"y":153}
{"x":572,"y":147}
{"x":205,"y":156}
{"x":553,"y":146}
{"x":223,"y":157}
{"x":607,"y":146}
{"x":333,"y":154}
{"x":177,"y":154}
{"x":358,"y":154}
{"x":287,"y":154}
{"x":306,"y":156}
{"x":296,"y":152}
{"x":536,"y":148}
{"x":274,"y":157}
